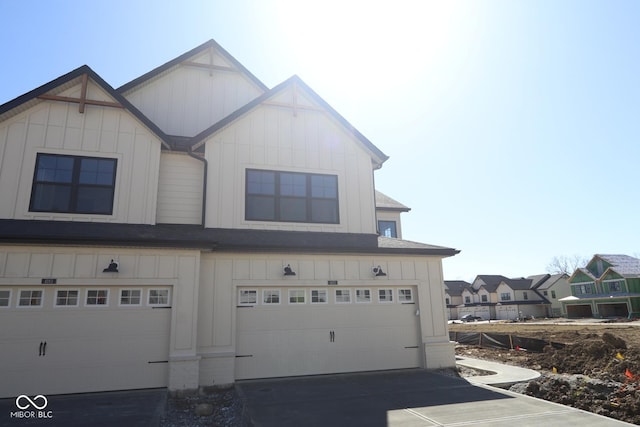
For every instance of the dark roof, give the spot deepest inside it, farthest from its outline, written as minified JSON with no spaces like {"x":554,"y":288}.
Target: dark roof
{"x":196,"y":237}
{"x":386,"y":203}
{"x":202,"y":136}
{"x":30,"y":98}
{"x":491,"y":281}
{"x":455,"y":287}
{"x":518,"y":284}
{"x":207,"y":45}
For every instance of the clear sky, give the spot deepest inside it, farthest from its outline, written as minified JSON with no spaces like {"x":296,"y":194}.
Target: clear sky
{"x":512,"y":126}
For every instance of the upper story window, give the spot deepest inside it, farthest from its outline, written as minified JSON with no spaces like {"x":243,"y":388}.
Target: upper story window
{"x":525,"y":296}
{"x":484,"y":298}
{"x":505,"y":296}
{"x":616,"y":286}
{"x":388,"y":228}
{"x":467,"y":300}
{"x":584,"y":289}
{"x":73,"y":184}
{"x":291,"y":197}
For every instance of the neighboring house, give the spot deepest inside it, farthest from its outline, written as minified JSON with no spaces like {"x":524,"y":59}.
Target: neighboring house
{"x":609,"y":286}
{"x":388,"y":212}
{"x":501,"y":298}
{"x":193,"y":228}
{"x":453,"y":296}
{"x":553,"y":287}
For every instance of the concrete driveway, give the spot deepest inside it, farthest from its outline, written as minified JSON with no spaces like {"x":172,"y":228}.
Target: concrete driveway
{"x":118,"y":408}
{"x":400,"y":398}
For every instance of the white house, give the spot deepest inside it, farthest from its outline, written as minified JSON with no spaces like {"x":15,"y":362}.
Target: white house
{"x":193,"y":228}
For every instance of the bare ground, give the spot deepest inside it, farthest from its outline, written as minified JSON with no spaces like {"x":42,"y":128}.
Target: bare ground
{"x":598,"y":370}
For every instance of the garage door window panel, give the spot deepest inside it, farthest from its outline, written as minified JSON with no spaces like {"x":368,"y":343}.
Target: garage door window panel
{"x":405,"y":296}
{"x":385,"y":295}
{"x":247,"y":297}
{"x":97,"y":297}
{"x":319,"y":296}
{"x":5,"y":298}
{"x":158,"y":297}
{"x":363,"y":295}
{"x":130,"y":297}
{"x":73,"y":184}
{"x":297,"y":296}
{"x":30,"y":298}
{"x":271,"y":296}
{"x":343,"y":296}
{"x":67,"y":298}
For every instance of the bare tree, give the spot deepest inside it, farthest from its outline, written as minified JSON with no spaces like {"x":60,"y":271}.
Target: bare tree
{"x":566,"y":264}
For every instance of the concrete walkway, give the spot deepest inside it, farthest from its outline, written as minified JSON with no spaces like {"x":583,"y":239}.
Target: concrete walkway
{"x":502,"y":375}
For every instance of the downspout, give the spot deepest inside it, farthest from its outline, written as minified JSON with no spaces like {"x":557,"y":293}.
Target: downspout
{"x":204,"y":184}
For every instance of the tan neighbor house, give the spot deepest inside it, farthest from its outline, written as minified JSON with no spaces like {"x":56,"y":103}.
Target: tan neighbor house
{"x":195,"y":228}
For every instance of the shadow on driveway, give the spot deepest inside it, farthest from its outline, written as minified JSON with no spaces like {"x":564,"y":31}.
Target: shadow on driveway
{"x":364,"y":399}
{"x":118,"y":408}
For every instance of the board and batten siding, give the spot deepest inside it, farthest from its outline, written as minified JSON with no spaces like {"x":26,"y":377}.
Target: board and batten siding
{"x":58,"y":128}
{"x":180,"y":189}
{"x":273,"y":138}
{"x":193,"y":98}
{"x":222,"y":274}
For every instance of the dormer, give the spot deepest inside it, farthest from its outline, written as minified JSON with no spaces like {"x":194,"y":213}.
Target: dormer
{"x":388,"y":213}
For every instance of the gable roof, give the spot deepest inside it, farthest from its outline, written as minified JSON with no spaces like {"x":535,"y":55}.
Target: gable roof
{"x":68,"y":80}
{"x":624,"y":265}
{"x":545,"y":281}
{"x":386,"y":203}
{"x":455,"y":287}
{"x":199,"y":139}
{"x":521,"y":284}
{"x":211,"y":44}
{"x":491,"y":281}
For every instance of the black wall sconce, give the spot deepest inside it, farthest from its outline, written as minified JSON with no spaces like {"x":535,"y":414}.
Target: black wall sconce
{"x":113,"y":267}
{"x":378,"y":271}
{"x":288,"y":271}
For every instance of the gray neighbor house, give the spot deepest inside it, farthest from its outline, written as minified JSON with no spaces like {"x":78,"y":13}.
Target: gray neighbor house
{"x":501,"y":298}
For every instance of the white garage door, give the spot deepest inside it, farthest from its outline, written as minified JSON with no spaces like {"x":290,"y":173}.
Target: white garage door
{"x":287,"y":332}
{"x":72,"y":340}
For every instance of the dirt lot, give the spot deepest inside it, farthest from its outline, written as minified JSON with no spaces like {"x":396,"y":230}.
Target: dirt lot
{"x":597,"y":370}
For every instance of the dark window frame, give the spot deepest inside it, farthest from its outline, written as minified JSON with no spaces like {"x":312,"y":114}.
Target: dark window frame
{"x":278,"y":198}
{"x":384,"y":225}
{"x":74,"y":185}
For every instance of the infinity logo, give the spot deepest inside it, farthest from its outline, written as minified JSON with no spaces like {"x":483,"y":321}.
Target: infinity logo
{"x":31,"y":402}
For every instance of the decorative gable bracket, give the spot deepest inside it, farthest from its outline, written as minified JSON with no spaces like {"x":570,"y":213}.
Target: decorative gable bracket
{"x":82,"y":101}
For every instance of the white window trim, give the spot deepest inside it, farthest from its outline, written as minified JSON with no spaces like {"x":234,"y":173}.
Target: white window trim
{"x":335,"y":296}
{"x":8,"y":300}
{"x":167,"y":304}
{"x":86,"y":298}
{"x":409,"y":301}
{"x":30,"y":306}
{"x":326,"y":296}
{"x":55,"y":298}
{"x":240,"y":291}
{"x":278,"y":291}
{"x":120,"y":304}
{"x":381,"y":301}
{"x":362,"y":302}
{"x":304,"y":296}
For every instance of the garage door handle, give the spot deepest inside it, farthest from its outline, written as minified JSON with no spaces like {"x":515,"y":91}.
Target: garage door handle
{"x":332,"y":336}
{"x":40,"y":350}
{"x":43,"y":348}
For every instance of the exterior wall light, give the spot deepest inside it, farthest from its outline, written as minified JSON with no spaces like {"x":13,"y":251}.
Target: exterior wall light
{"x":288,"y":271}
{"x":378,"y":271}
{"x":113,"y":267}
